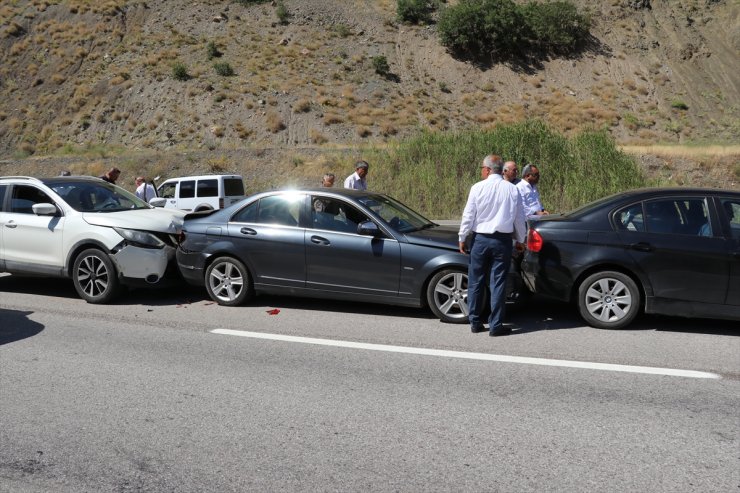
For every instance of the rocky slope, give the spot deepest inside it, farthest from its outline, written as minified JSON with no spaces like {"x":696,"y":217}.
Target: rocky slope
{"x":76,"y":74}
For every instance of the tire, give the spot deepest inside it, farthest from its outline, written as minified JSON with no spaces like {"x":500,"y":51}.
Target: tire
{"x":227,"y":281}
{"x":608,"y":300}
{"x":94,"y":276}
{"x":447,"y":296}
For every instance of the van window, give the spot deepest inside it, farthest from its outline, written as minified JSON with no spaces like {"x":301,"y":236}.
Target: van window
{"x":233,"y":186}
{"x":207,"y":188}
{"x":2,"y":195}
{"x":187,"y":189}
{"x":167,"y":190}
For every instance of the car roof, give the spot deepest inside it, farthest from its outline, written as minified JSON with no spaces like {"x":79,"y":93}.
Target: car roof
{"x":200,"y":177}
{"x":54,"y":179}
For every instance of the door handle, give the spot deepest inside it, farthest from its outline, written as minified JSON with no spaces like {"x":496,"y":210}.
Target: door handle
{"x":11,"y":224}
{"x":247,"y":231}
{"x":320,"y":241}
{"x":642,"y":247}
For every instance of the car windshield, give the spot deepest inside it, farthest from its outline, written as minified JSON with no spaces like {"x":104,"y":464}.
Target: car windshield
{"x":88,"y":196}
{"x":397,"y":215}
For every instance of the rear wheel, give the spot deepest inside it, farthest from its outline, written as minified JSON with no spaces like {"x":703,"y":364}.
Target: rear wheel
{"x":95,"y":277}
{"x":227,"y":281}
{"x":447,"y":295}
{"x":608,"y":300}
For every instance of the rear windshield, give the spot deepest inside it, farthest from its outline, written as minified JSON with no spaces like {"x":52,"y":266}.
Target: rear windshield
{"x":233,"y":186}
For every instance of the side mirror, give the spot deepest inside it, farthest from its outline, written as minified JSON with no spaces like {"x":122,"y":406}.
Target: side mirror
{"x":44,"y":209}
{"x":157,"y":201}
{"x":368,"y":228}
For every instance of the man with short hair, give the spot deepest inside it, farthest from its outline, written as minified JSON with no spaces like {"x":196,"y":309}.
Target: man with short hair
{"x":111,"y":175}
{"x":511,"y":172}
{"x":357,"y":180}
{"x":529,"y":192}
{"x":494,"y":214}
{"x":145,"y":191}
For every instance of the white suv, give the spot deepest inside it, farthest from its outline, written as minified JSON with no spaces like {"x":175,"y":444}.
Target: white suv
{"x":83,"y":228}
{"x":201,"y":193}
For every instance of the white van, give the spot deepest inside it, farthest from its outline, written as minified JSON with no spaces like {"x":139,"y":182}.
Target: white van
{"x":200,"y":193}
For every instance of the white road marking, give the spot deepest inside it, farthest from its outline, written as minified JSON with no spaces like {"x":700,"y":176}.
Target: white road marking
{"x":476,"y":356}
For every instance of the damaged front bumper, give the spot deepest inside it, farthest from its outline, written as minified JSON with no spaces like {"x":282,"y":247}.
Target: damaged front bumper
{"x":139,"y":266}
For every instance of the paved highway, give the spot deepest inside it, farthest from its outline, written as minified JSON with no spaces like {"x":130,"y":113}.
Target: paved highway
{"x":166,"y":391}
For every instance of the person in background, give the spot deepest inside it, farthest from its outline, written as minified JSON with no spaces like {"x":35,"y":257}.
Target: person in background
{"x":65,"y":173}
{"x":357,"y":180}
{"x":111,"y":175}
{"x":328,"y":180}
{"x":511,"y":172}
{"x":145,"y":191}
{"x":494,"y":215}
{"x":529,"y":192}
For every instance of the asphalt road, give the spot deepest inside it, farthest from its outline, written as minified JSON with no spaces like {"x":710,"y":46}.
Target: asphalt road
{"x":143,"y":395}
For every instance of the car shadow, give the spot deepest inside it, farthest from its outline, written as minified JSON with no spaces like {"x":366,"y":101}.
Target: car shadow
{"x":15,"y":326}
{"x":56,"y":287}
{"x":544,"y":314}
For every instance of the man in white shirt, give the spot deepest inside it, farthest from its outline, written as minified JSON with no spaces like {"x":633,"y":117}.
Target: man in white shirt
{"x":495,"y":216}
{"x":144,"y":190}
{"x":357,"y":180}
{"x":530,"y":194}
{"x":511,"y":172}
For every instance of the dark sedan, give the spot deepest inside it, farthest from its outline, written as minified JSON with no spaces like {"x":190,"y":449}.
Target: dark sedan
{"x":327,"y":243}
{"x":673,"y":251}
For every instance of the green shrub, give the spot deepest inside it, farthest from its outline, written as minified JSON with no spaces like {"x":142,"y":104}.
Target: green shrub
{"x":556,"y":26}
{"x":414,"y":11}
{"x":180,"y":71}
{"x":247,"y":3}
{"x":212,"y":51}
{"x":679,"y":105}
{"x":282,"y":13}
{"x":503,"y":29}
{"x":223,"y":69}
{"x":482,"y":27}
{"x":380,"y":64}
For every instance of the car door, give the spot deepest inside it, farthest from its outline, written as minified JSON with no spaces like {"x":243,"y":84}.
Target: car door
{"x":31,"y":243}
{"x":670,"y":244}
{"x":168,"y":190}
{"x":340,"y":259}
{"x":186,"y":195}
{"x":3,"y":189}
{"x":267,"y":237}
{"x":729,"y":215}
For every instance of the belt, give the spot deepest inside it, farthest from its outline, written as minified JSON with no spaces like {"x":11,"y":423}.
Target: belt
{"x":495,"y":234}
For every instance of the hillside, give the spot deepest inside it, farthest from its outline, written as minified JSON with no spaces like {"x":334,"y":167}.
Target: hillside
{"x":77,"y":74}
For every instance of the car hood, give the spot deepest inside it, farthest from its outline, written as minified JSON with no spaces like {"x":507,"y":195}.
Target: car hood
{"x":157,"y":220}
{"x":437,"y":236}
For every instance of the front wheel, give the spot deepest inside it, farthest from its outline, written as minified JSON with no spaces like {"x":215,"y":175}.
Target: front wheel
{"x":94,"y":276}
{"x":608,"y":300}
{"x":227,"y":281}
{"x":447,"y":296}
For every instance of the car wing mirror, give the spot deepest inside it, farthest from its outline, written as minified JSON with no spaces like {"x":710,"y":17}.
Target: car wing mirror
{"x":44,"y":209}
{"x":368,"y":228}
{"x":157,"y":201}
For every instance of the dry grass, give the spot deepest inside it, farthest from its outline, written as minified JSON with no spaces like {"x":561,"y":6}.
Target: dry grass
{"x":274,"y":122}
{"x":685,"y":151}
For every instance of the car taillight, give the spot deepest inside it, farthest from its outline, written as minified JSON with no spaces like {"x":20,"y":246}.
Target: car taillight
{"x":181,"y":238}
{"x":534,"y":241}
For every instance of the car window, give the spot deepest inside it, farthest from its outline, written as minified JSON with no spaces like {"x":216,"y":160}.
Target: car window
{"x":97,"y":197}
{"x":167,"y":190}
{"x":187,"y":189}
{"x":678,"y":216}
{"x":207,"y":188}
{"x":2,"y":195}
{"x":630,"y":218}
{"x":233,"y":186}
{"x":335,"y":215}
{"x":731,"y":211}
{"x":248,"y":214}
{"x":279,"y":209}
{"x":25,"y":196}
